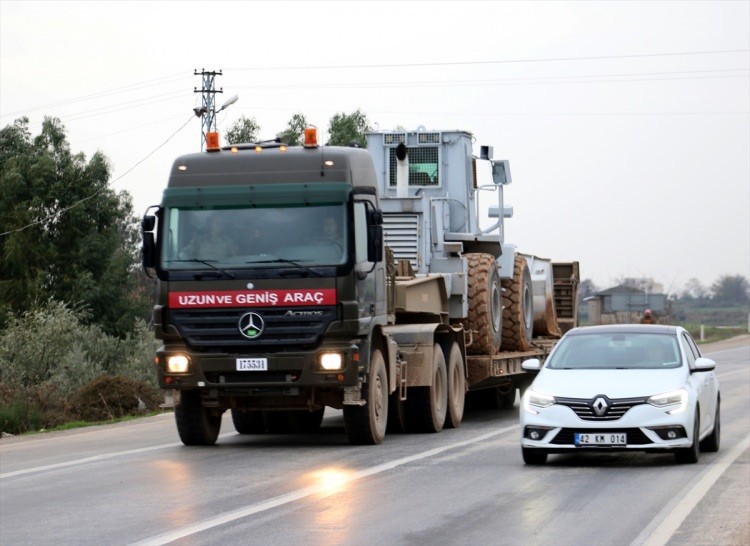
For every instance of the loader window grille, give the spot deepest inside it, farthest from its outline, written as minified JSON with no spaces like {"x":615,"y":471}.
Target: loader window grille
{"x":423,"y":166}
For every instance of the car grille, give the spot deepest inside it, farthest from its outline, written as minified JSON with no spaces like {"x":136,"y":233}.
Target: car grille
{"x":218,"y":328}
{"x":584,"y":408}
{"x":566,"y":435}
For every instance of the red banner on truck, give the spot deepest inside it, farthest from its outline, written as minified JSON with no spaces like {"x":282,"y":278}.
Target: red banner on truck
{"x":252,"y":298}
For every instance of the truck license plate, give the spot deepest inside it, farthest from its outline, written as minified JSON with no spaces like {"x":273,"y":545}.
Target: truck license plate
{"x":252,"y":364}
{"x":601,"y":439}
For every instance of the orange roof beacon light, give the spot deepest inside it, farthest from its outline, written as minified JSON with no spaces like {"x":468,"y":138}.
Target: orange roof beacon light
{"x":311,"y":137}
{"x":212,"y":142}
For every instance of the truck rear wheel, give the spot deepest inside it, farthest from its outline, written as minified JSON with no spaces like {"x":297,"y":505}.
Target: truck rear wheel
{"x":248,"y":422}
{"x":293,"y":421}
{"x":366,"y":425}
{"x":427,"y":406}
{"x":197,"y":426}
{"x":456,"y":388}
{"x":485,"y":320}
{"x":518,"y":314}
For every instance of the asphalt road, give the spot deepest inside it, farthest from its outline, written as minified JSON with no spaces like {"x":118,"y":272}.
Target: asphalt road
{"x":134,"y":483}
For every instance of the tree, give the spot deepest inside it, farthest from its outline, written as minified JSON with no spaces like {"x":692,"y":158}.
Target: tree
{"x":694,"y":290}
{"x":243,"y":130}
{"x":347,"y":128}
{"x":731,"y":289}
{"x":64,"y":234}
{"x":296,"y":126}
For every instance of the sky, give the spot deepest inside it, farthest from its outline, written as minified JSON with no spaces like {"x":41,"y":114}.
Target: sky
{"x":626,"y":124}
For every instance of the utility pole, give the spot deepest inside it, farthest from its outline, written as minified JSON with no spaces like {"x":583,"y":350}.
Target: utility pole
{"x":207,"y":111}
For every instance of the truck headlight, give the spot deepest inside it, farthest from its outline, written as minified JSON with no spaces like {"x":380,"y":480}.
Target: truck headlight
{"x":178,"y":364}
{"x":331,"y":362}
{"x":678,"y":398}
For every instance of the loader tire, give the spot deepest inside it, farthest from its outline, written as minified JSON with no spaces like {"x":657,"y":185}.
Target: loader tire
{"x":485,"y":320}
{"x":518,"y":312}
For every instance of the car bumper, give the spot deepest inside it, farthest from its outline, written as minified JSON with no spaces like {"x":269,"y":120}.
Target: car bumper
{"x":558,"y":429}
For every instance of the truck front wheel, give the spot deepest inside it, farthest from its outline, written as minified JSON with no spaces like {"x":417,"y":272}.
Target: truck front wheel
{"x":366,"y":425}
{"x":197,"y":426}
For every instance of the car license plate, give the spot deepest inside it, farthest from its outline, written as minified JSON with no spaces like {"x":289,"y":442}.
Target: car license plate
{"x":252,"y":364}
{"x":601,"y":439}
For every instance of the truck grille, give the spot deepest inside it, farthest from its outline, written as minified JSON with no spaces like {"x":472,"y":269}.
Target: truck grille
{"x":401,"y":233}
{"x":218,"y":328}
{"x":584,"y":407}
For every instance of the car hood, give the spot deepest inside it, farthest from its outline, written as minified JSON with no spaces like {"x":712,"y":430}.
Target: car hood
{"x":612,"y":383}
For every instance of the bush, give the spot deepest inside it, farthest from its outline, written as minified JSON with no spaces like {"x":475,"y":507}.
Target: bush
{"x":110,"y":397}
{"x":51,"y":360}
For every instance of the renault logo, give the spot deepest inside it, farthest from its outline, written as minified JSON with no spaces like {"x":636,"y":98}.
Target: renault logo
{"x":251,"y":325}
{"x":600,"y":406}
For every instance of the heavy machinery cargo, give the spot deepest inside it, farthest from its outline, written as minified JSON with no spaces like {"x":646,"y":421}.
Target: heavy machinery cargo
{"x":295,"y":278}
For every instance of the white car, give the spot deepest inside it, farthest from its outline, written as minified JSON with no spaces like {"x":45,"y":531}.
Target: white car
{"x":624,"y":387}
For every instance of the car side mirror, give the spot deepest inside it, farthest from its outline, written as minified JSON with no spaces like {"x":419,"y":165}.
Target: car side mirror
{"x":531,"y":365}
{"x":703,"y":364}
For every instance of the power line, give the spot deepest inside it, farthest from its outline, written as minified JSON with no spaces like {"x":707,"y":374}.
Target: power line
{"x":97,"y":192}
{"x":100,"y":94}
{"x":500,"y":61}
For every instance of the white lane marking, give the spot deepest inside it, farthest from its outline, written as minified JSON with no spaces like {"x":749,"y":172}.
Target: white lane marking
{"x":82,"y":461}
{"x":672,"y":516}
{"x":94,"y":458}
{"x":221,"y":519}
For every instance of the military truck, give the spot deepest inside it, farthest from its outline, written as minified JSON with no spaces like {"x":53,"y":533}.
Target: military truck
{"x":295,"y":278}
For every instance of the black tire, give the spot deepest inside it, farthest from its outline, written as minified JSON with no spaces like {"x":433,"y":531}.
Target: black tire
{"x":396,"y":414}
{"x":518,"y":311}
{"x":310,"y":421}
{"x":456,"y":387}
{"x":248,"y":422}
{"x":494,"y":398}
{"x":427,"y":407}
{"x":533,"y":456}
{"x":196,"y":425}
{"x":366,"y":425}
{"x":485,"y":320}
{"x":711,"y":443}
{"x":293,"y":421}
{"x":690,"y":455}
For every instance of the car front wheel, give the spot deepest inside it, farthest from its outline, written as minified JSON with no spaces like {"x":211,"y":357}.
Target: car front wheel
{"x":533,"y":456}
{"x":690,"y":455}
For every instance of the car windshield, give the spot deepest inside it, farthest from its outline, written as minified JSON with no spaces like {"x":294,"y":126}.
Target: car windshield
{"x":606,"y":351}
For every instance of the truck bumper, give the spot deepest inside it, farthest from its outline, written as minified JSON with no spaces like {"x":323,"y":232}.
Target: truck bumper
{"x":284,"y":372}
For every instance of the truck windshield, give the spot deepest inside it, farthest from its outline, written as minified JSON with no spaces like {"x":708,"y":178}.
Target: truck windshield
{"x":207,"y":238}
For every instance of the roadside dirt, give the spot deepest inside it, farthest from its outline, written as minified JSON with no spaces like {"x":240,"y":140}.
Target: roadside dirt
{"x":730,"y":343}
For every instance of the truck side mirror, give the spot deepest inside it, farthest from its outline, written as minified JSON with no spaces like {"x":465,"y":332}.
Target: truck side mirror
{"x":148,"y":250}
{"x":148,"y":223}
{"x":375,"y":243}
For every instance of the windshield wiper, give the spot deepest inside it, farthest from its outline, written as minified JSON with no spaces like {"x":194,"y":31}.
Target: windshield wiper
{"x":304,"y":268}
{"x":209,"y":264}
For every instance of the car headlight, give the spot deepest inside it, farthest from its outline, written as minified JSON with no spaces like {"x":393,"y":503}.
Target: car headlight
{"x":676,"y":400}
{"x":331,"y":362}
{"x":533,"y":399}
{"x":177,"y":364}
